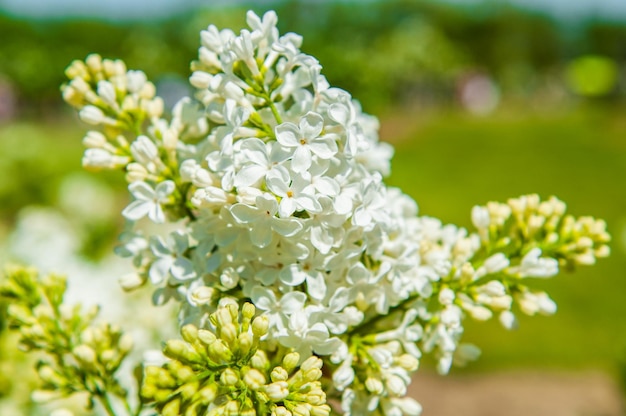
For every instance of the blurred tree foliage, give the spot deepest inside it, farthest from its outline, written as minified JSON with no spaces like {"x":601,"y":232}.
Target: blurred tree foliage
{"x":379,"y":51}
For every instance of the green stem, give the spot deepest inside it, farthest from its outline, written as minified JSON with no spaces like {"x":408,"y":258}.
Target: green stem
{"x":279,"y":120}
{"x":106,"y":403}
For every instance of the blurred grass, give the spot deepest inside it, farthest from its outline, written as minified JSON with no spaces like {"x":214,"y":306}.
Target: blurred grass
{"x":450,"y":162}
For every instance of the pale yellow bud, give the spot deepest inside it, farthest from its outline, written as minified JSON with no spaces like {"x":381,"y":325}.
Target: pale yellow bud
{"x":229,"y":377}
{"x":189,"y":333}
{"x":202,"y":295}
{"x":228,"y":332}
{"x":135,"y":172}
{"x":301,"y":409}
{"x":291,"y":360}
{"x":245,"y":342}
{"x":311,"y":363}
{"x":154,"y":108}
{"x":316,"y":396}
{"x":231,"y":408}
{"x":188,"y":389}
{"x":172,"y":408}
{"x":374,"y":385}
{"x":408,"y":362}
{"x":603,"y":251}
{"x":248,"y":310}
{"x":395,"y":386}
{"x":260,"y":325}
{"x":206,"y":337}
{"x":277,"y":391}
{"x":323,"y":410}
{"x":281,"y":411}
{"x":94,"y":63}
{"x":260,"y":361}
{"x":77,"y":69}
{"x":208,"y":393}
{"x":109,"y":356}
{"x":184,"y":373}
{"x":279,"y":374}
{"x":73,"y":97}
{"x":49,"y":375}
{"x":254,"y":379}
{"x":147,"y":91}
{"x":219,"y":352}
{"x":175,"y":348}
{"x":85,"y":354}
{"x":222,"y":317}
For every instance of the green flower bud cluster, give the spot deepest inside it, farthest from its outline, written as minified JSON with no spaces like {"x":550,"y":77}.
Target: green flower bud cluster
{"x":225,"y":371}
{"x":80,"y":356}
{"x":527,"y":222}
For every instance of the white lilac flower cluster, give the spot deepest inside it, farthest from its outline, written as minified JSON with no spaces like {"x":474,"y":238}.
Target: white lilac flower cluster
{"x":271,"y":182}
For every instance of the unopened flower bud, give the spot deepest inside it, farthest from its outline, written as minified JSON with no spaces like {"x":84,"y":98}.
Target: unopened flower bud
{"x":301,"y":409}
{"x":311,"y":363}
{"x":277,"y":391}
{"x":208,"y":393}
{"x":219,"y":351}
{"x":206,"y":337}
{"x":291,"y":360}
{"x":188,"y":389}
{"x":245,"y":342}
{"x":260,"y":325}
{"x":203,"y":295}
{"x":172,"y":408}
{"x":260,"y":361}
{"x":106,"y":91}
{"x":228,"y":333}
{"x":279,"y":374}
{"x":254,"y":379}
{"x":94,"y":62}
{"x":221,"y":317}
{"x":85,"y":354}
{"x":281,"y":411}
{"x":395,"y":386}
{"x":374,"y":385}
{"x":323,"y":410}
{"x":189,"y":333}
{"x":408,"y":362}
{"x":229,"y":377}
{"x":248,"y":310}
{"x":92,"y":115}
{"x":94,"y":139}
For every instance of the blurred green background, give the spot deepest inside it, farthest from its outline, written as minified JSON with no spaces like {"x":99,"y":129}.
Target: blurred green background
{"x":483,"y":101}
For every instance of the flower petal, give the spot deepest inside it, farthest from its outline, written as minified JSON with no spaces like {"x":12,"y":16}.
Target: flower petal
{"x":286,"y":227}
{"x":261,"y":234}
{"x":311,"y":125}
{"x":137,"y":209}
{"x":246,"y":214}
{"x":164,"y":189}
{"x":249,"y":175}
{"x":182,"y":269}
{"x":141,"y":191}
{"x":288,"y":134}
{"x":301,"y":159}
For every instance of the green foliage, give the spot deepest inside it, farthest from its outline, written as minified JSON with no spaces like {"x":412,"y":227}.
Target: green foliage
{"x":78,"y":355}
{"x":497,"y":38}
{"x":448,"y":161}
